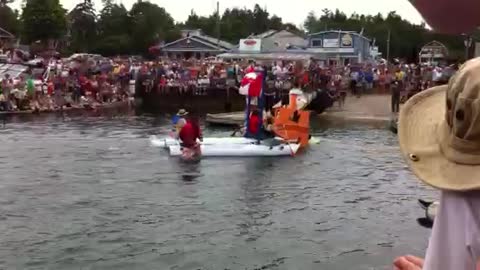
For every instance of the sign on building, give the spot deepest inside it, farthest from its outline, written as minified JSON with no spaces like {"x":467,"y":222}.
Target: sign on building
{"x":331,"y":43}
{"x":332,"y":50}
{"x":250,"y":45}
{"x":433,"y":53}
{"x":347,"y":41}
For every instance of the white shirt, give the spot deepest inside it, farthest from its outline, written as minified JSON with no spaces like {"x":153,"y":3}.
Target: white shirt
{"x":354,"y":75}
{"x":277,"y":70}
{"x":455,"y":240}
{"x":437,"y":74}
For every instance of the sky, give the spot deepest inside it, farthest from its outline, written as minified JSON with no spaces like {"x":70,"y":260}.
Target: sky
{"x":290,"y":11}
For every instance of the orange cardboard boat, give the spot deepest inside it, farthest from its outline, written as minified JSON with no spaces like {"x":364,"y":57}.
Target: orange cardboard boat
{"x":292,"y":124}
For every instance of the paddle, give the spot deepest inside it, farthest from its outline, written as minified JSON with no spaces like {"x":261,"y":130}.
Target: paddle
{"x":239,"y":128}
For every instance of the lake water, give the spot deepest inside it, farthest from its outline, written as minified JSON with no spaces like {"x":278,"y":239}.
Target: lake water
{"x":92,"y":193}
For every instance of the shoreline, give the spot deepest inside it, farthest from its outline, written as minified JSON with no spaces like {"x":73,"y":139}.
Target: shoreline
{"x":366,"y":109}
{"x":350,"y":116}
{"x":237,"y":118}
{"x":112,"y":105}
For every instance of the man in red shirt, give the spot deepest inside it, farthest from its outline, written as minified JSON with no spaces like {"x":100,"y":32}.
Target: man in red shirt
{"x":189,"y":134}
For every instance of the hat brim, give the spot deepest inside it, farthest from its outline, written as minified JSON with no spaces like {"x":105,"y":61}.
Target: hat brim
{"x":419,"y":131}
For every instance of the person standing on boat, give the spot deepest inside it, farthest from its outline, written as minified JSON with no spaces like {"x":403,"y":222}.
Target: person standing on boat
{"x":254,"y":121}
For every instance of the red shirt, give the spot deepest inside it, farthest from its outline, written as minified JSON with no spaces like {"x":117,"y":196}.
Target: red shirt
{"x":163,"y":81}
{"x":189,"y":134}
{"x":50,"y":88}
{"x":254,"y":124}
{"x":305,"y":78}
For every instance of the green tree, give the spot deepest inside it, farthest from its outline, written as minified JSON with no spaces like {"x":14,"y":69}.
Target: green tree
{"x":114,"y":20}
{"x":260,"y":19}
{"x":275,"y":23}
{"x":43,"y":20}
{"x":83,"y":27}
{"x":114,"y":29}
{"x":194,"y":21}
{"x":311,"y":22}
{"x":8,"y":17}
{"x":150,"y":24}
{"x":237,"y":23}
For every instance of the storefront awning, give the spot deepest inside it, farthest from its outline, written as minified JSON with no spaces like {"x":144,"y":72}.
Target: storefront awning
{"x":269,"y":56}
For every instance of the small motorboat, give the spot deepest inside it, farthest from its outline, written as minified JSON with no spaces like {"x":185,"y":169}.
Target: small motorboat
{"x":242,"y":150}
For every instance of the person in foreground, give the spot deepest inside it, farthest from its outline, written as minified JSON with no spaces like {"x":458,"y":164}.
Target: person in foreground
{"x":189,"y":134}
{"x":439,"y":134}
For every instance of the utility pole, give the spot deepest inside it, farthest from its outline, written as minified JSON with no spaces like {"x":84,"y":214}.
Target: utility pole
{"x":218,"y":24}
{"x":388,"y":45}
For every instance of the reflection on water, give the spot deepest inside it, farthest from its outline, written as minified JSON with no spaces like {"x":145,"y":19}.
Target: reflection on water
{"x":190,"y":172}
{"x":92,"y":193}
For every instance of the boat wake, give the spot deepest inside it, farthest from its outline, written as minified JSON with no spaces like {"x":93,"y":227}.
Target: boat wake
{"x":157,"y":142}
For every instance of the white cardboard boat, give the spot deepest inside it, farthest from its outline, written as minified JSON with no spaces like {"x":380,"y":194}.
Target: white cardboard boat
{"x":241,"y":150}
{"x":166,"y":142}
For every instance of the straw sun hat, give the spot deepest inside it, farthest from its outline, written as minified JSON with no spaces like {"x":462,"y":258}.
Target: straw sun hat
{"x":182,"y":112}
{"x":439,"y":132}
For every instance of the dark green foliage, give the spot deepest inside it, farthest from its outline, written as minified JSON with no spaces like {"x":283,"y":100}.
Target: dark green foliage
{"x":9,"y":19}
{"x":118,"y":31}
{"x":83,"y":27}
{"x":236,"y":23}
{"x":43,"y":20}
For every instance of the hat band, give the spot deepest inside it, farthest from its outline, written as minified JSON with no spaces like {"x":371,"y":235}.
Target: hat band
{"x":456,"y":149}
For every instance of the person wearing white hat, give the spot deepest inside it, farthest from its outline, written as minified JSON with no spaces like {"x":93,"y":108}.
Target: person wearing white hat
{"x":179,"y":120}
{"x":439,"y":134}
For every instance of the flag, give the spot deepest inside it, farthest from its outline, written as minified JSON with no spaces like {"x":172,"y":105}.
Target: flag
{"x":251,"y":85}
